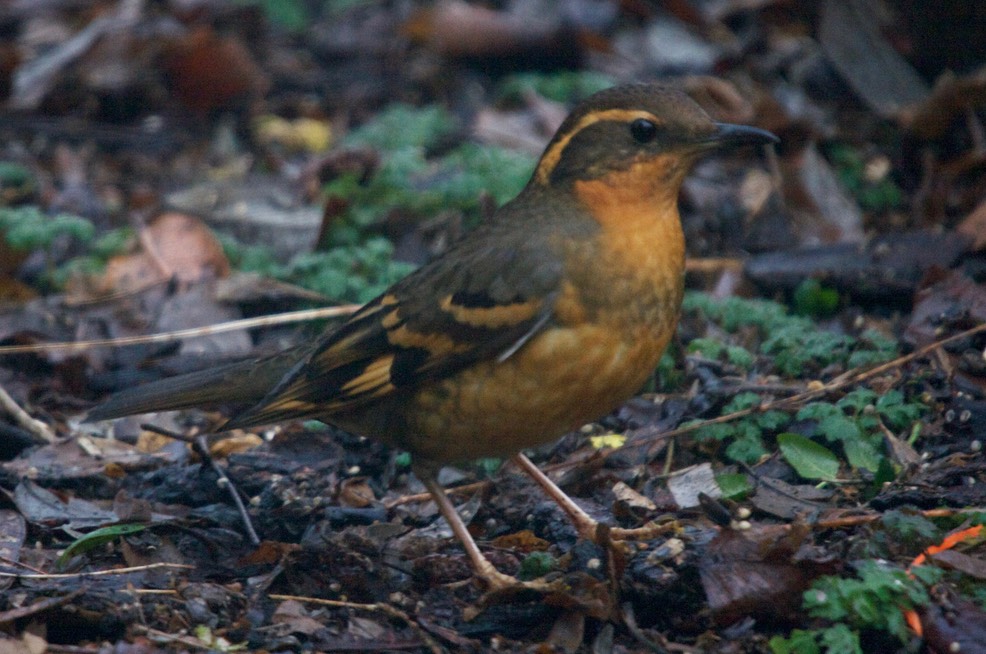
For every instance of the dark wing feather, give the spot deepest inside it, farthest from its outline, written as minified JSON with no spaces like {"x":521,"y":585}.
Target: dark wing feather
{"x":478,"y":302}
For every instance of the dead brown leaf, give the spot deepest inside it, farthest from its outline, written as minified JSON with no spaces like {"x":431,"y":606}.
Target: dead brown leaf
{"x":176,"y":246}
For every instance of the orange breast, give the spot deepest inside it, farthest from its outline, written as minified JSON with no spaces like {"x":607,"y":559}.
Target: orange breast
{"x":559,"y":381}
{"x":612,"y":320}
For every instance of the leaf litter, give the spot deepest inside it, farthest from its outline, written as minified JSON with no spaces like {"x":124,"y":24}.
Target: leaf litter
{"x":837,"y":433}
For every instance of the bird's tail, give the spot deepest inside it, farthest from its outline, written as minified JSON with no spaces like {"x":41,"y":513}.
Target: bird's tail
{"x":244,"y":383}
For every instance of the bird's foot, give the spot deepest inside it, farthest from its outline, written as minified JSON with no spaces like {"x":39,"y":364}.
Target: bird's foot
{"x":502,"y":588}
{"x":499,"y":583}
{"x":601,"y":534}
{"x":587,"y":527}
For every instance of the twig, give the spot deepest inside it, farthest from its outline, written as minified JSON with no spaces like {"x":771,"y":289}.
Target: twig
{"x":38,"y":607}
{"x":201,"y":448}
{"x":630,"y":620}
{"x":38,"y":429}
{"x":713,"y":264}
{"x":424,"y":497}
{"x":381,"y":608}
{"x":97,"y":573}
{"x":18,"y":564}
{"x":867,"y":518}
{"x":168,"y":337}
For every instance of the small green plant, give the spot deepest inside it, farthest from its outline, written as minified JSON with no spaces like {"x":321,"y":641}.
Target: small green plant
{"x":17,"y":183}
{"x":809,"y":459}
{"x":28,"y":228}
{"x":667,"y":376}
{"x":401,"y":126}
{"x":291,"y":15}
{"x":874,"y":601}
{"x":837,"y":638}
{"x":734,"y":486}
{"x":714,"y":349}
{"x":778,"y":343}
{"x":855,"y":422}
{"x":562,"y":86}
{"x":795,"y":345}
{"x":101,"y":249}
{"x":354,"y":261}
{"x":347,"y":273}
{"x":97,"y":538}
{"x":873,"y":189}
{"x":814,"y":300}
{"x":409,"y":180}
{"x":488,"y":466}
{"x":536,"y":564}
{"x":744,"y":435}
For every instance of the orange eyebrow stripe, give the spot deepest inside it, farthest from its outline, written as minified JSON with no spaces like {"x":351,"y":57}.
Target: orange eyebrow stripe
{"x":552,"y":155}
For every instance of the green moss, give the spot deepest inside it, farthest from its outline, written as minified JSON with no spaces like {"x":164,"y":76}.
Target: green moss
{"x":28,"y":228}
{"x":401,"y":126}
{"x":814,"y":300}
{"x":879,"y":196}
{"x":561,"y":86}
{"x":291,"y":15}
{"x":356,"y":272}
{"x":795,"y":345}
{"x":536,"y":564}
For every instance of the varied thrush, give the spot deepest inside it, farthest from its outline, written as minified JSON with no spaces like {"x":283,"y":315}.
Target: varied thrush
{"x":545,"y":317}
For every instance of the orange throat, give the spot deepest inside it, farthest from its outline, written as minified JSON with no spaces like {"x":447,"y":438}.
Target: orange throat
{"x":637,"y":210}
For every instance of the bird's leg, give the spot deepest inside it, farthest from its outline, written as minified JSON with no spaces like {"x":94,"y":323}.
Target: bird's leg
{"x":494,"y":579}
{"x":585,"y":525}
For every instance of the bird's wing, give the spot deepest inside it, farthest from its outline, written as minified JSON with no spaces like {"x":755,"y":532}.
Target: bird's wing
{"x":476,"y":303}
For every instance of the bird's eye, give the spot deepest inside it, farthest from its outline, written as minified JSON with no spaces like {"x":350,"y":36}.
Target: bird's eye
{"x":643,"y":131}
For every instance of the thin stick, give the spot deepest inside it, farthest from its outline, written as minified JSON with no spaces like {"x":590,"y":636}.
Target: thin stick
{"x":168,"y":337}
{"x":713,"y":264}
{"x":39,"y":606}
{"x":97,"y":573}
{"x":201,"y":448}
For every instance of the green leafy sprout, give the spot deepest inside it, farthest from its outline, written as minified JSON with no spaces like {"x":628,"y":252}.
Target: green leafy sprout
{"x":791,"y":346}
{"x":879,"y":194}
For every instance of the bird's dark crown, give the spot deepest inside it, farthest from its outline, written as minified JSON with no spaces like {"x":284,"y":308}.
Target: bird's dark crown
{"x":619,"y":126}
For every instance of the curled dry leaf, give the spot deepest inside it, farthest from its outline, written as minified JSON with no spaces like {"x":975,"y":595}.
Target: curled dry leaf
{"x":175,"y":246}
{"x":356,"y":492}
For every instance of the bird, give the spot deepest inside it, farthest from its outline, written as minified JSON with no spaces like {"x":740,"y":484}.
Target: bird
{"x":545,"y":317}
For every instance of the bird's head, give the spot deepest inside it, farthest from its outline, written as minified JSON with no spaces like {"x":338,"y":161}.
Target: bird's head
{"x":641,"y":131}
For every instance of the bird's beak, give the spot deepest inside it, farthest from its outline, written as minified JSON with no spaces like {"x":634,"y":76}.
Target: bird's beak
{"x":731,"y":136}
